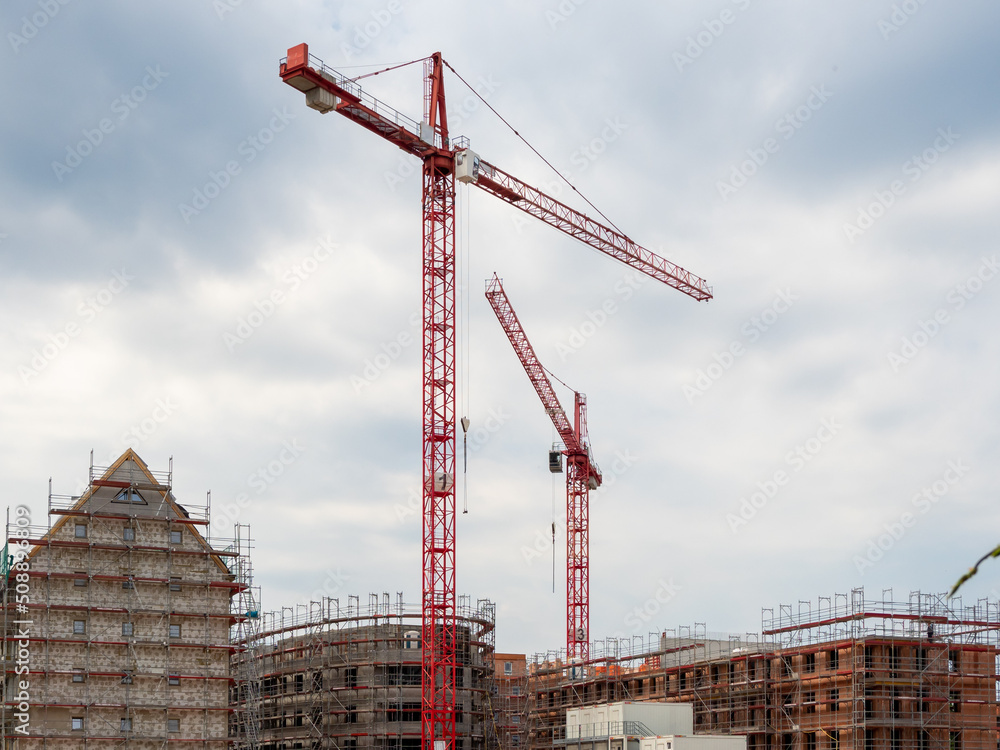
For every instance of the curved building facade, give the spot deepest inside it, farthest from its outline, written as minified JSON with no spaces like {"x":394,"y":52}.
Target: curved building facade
{"x":348,"y":677}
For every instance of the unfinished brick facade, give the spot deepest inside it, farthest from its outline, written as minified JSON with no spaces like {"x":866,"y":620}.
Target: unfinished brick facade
{"x":509,"y":698}
{"x":124,"y":617}
{"x":857,"y":676}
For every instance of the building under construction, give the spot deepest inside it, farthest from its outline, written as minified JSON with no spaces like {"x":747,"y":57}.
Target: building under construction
{"x":116,"y":618}
{"x":348,"y":676}
{"x":848,"y":674}
{"x":509,"y":699}
{"x":125,"y":623}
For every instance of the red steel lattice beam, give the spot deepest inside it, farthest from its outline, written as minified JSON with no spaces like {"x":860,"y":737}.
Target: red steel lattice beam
{"x":438,"y":656}
{"x":581,"y":474}
{"x":576,"y":224}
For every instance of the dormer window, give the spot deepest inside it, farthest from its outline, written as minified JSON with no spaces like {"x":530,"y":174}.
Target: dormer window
{"x":130,"y":496}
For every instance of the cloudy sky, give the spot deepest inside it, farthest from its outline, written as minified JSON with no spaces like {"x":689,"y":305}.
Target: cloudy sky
{"x":828,"y":421}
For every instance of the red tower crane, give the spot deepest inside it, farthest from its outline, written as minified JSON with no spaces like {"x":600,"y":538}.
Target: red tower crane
{"x":443,"y":159}
{"x":582,"y":475}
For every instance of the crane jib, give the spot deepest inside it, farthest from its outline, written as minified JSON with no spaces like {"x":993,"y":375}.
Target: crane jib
{"x":327,"y":90}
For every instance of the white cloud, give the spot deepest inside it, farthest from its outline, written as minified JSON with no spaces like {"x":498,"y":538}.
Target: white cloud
{"x":335,"y":507}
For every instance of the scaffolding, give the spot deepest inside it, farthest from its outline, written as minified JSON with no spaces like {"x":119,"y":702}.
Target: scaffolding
{"x":509,"y":700}
{"x":347,"y":676}
{"x":686,"y":664}
{"x":245,"y":695}
{"x":845,"y":674}
{"x":873,"y":674}
{"x":116,"y":618}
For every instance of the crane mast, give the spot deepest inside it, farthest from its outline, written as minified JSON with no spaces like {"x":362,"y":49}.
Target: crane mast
{"x":582,"y":475}
{"x":327,"y":90}
{"x":439,"y":654}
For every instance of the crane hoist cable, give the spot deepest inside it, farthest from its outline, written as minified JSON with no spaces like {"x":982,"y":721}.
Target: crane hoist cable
{"x":464,"y":378}
{"x":554,"y":434}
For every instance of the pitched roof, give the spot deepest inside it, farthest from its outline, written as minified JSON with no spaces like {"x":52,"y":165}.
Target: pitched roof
{"x":128,"y":487}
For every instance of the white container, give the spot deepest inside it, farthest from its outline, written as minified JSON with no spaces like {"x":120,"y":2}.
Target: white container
{"x":660,"y":718}
{"x":608,"y":719}
{"x":601,"y":719}
{"x":572,"y":723}
{"x":695,"y":742}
